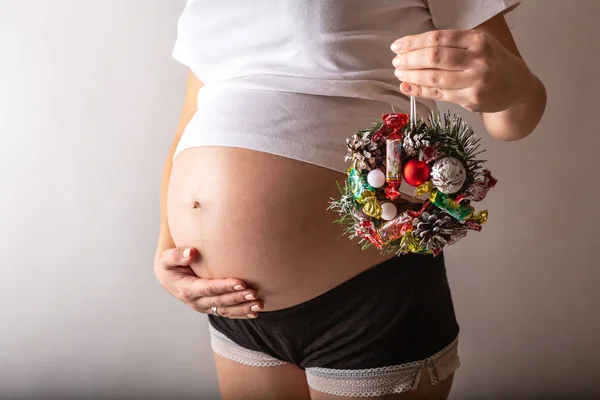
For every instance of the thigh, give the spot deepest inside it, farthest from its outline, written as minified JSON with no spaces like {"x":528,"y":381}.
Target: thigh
{"x":243,"y":382}
{"x":425,"y":391}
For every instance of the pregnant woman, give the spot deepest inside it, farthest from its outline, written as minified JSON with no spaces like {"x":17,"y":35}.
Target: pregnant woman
{"x":297,"y":311}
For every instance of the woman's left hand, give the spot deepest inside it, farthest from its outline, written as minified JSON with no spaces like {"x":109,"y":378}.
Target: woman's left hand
{"x":467,"y":67}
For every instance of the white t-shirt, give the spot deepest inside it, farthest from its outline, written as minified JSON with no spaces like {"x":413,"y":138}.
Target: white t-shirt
{"x":296,"y":78}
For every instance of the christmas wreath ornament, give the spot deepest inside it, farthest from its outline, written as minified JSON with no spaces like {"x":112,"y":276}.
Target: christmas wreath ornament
{"x":438,"y":158}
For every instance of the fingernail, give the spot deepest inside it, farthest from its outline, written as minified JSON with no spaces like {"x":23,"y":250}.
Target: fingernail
{"x":398,"y":73}
{"x":396,"y":62}
{"x":187,"y":252}
{"x":250,"y":297}
{"x":256,"y":308}
{"x":407,"y":88}
{"x":251,"y":315}
{"x":238,"y":287}
{"x":396,"y":46}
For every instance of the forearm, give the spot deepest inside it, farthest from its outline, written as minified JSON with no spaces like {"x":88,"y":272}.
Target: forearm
{"x":520,"y":120}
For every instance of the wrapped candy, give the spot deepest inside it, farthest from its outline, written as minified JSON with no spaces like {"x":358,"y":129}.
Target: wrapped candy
{"x":426,"y":187}
{"x":456,"y":236}
{"x":457,"y":210}
{"x":392,"y":191}
{"x":394,"y":229}
{"x":417,"y":214}
{"x":411,"y":244}
{"x":472,"y":225}
{"x":478,"y":190}
{"x":393,"y":161}
{"x":479,"y":217}
{"x":371,"y":207}
{"x":381,"y":133}
{"x":429,"y":154}
{"x":366,"y":229}
{"x":364,"y":193}
{"x":361,"y":190}
{"x":395,"y":122}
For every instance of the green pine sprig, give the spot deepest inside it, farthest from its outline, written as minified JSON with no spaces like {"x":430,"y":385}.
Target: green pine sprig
{"x":456,"y":138}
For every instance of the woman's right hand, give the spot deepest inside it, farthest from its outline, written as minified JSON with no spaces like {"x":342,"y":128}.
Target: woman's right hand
{"x":230,"y":296}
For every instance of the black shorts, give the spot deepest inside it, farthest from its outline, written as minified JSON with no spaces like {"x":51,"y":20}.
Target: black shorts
{"x":369,"y":336}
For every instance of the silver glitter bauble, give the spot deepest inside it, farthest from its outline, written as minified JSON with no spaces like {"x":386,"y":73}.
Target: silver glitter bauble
{"x":448,"y":175}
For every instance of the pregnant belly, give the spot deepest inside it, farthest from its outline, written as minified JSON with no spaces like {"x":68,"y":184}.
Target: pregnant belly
{"x":263,"y":219}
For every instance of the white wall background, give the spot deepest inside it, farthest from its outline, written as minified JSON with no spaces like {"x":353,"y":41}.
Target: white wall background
{"x":89,"y":101}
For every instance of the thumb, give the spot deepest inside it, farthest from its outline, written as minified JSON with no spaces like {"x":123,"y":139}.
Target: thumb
{"x":178,"y":256}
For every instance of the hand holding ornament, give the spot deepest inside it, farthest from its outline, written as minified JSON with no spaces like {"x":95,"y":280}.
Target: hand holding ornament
{"x":466,"y":67}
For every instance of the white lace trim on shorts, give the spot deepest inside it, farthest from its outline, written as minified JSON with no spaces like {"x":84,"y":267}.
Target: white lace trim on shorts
{"x":225,"y":347}
{"x":350,"y":382}
{"x":384,"y":380}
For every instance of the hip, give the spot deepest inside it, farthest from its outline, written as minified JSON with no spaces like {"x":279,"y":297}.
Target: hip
{"x":396,"y":313}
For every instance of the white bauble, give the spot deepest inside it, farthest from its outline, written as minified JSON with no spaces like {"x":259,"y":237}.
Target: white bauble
{"x":448,"y":175}
{"x":388,"y":211}
{"x":376,"y":178}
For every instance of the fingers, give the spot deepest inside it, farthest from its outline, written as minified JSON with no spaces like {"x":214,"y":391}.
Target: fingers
{"x":230,"y":305}
{"x":462,"y":39}
{"x":178,"y":257}
{"x":436,"y":78}
{"x":216,"y":287}
{"x":203,"y":294}
{"x":248,"y":310}
{"x":224,"y":289}
{"x":422,"y":91}
{"x":468,"y":98}
{"x":445,"y":58}
{"x":230,"y":296}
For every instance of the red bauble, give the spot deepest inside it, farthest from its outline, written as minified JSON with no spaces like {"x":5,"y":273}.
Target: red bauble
{"x":416,"y":172}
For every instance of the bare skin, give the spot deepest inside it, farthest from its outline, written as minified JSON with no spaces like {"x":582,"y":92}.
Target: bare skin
{"x":279,"y":242}
{"x":261,"y":218}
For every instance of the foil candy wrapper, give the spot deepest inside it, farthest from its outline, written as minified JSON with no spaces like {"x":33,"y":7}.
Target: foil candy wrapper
{"x":475,"y":221}
{"x":412,"y":244}
{"x":480,"y":217}
{"x":372,"y":208}
{"x":478,"y":190}
{"x":391,"y":127}
{"x":381,"y":133}
{"x":392,"y":191}
{"x":395,"y":122}
{"x":364,"y":193}
{"x":455,"y":209}
{"x":366,"y":229}
{"x":472,"y":225}
{"x":428,"y":154}
{"x":393,"y":160}
{"x":426,"y":187}
{"x":457,"y":235}
{"x":361,"y":190}
{"x":395,"y":229}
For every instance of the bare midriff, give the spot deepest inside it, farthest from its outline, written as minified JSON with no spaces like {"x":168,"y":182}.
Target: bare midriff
{"x":263,"y":219}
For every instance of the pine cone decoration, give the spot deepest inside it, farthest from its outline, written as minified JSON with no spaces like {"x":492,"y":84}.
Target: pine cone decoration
{"x":433,"y":230}
{"x":362,"y":151}
{"x":415,"y":140}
